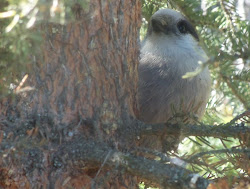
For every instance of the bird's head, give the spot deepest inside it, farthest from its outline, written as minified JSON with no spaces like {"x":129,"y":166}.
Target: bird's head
{"x":170,"y":22}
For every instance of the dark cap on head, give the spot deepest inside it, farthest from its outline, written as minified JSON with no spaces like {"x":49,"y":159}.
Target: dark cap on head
{"x":168,"y":21}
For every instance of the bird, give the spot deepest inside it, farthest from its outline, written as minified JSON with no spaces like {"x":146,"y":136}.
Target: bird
{"x":170,"y":50}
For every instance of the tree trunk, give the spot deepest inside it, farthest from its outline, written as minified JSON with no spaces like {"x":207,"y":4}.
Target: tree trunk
{"x":85,"y":82}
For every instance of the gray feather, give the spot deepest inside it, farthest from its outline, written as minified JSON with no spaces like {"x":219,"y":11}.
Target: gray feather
{"x":165,"y":58}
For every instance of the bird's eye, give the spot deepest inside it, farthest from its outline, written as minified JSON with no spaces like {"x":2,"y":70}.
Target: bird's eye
{"x":182,"y":27}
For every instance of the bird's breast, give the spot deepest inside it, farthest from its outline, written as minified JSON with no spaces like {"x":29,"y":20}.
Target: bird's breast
{"x":163,"y":91}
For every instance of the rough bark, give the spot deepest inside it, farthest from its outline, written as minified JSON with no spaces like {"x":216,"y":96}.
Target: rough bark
{"x":87,"y":70}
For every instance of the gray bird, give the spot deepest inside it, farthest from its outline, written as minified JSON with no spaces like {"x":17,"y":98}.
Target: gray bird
{"x":169,"y":51}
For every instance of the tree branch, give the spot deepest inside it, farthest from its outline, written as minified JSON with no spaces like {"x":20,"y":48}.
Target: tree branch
{"x":221,"y":131}
{"x":235,"y":92}
{"x":231,"y":151}
{"x":238,"y":117}
{"x":166,"y":175}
